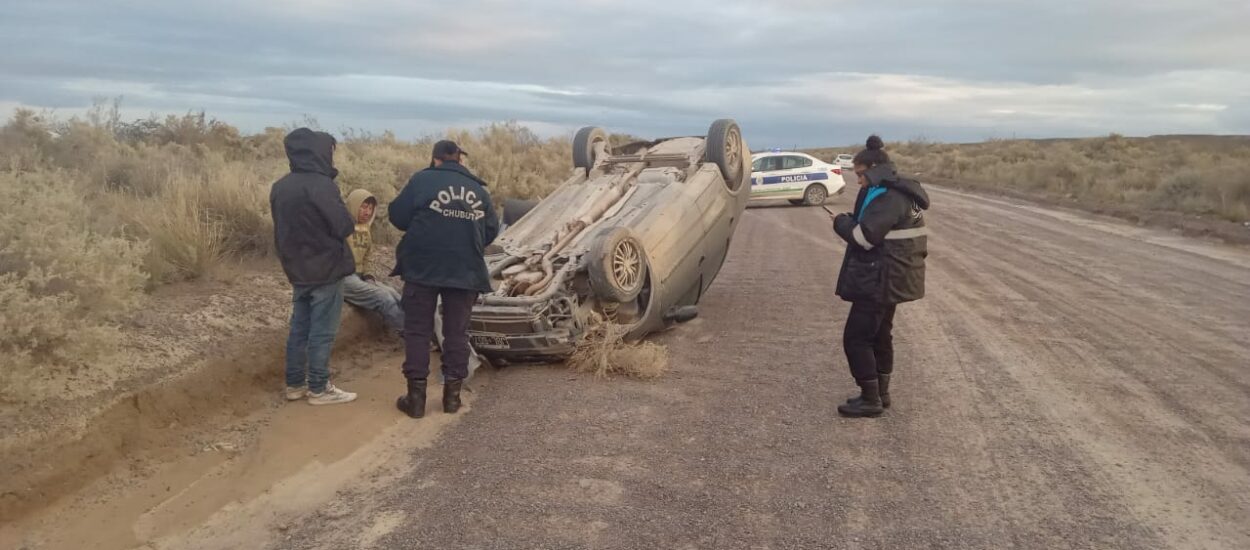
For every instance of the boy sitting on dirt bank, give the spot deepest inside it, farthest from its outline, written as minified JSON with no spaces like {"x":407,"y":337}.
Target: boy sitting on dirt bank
{"x":360,"y":288}
{"x":364,"y":291}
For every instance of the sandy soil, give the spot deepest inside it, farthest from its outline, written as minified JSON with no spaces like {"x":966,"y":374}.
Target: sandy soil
{"x":1070,"y":382}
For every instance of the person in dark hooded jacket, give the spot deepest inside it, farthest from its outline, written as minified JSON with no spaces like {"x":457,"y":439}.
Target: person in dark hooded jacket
{"x":448,"y":219}
{"x":310,"y":225}
{"x":883,"y":266}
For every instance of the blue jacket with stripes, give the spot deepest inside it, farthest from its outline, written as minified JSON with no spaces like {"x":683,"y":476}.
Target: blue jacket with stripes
{"x":887,"y":240}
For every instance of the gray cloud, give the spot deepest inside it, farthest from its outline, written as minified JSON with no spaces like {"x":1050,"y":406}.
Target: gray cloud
{"x":803,"y":72}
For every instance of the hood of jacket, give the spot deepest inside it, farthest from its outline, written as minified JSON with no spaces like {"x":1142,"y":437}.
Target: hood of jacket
{"x":310,"y":151}
{"x":886,"y":175}
{"x":356,"y":198}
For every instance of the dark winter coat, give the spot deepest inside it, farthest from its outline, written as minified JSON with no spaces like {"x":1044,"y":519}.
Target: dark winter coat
{"x":448,"y":220}
{"x":310,"y":221}
{"x":886,"y":240}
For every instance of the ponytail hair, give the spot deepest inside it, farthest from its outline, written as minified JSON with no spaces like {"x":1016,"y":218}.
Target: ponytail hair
{"x":873,"y":153}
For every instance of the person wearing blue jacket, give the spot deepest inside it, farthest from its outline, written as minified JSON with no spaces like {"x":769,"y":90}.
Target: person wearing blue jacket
{"x":448,"y":219}
{"x":884,"y":265}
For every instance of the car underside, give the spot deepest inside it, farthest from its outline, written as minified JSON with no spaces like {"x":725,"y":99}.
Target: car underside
{"x":633,"y":237}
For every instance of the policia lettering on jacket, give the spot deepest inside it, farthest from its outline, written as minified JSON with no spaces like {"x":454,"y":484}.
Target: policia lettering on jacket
{"x":461,"y":196}
{"x":887,"y":243}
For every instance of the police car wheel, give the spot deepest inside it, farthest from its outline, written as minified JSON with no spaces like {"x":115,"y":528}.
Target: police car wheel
{"x":815,"y":195}
{"x":585,"y":146}
{"x":618,"y":266}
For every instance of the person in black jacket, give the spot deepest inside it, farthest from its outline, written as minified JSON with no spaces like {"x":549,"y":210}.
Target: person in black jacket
{"x":448,"y":219}
{"x":310,"y":223}
{"x":883,"y":266}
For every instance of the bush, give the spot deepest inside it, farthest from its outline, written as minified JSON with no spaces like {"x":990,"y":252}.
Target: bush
{"x":97,"y":209}
{"x":1207,"y":175}
{"x":62,"y":283}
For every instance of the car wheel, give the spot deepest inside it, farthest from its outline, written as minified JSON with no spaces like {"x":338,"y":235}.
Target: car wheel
{"x":585,"y":146}
{"x":724,"y":147}
{"x":815,"y":195}
{"x":618,"y":266}
{"x":796,"y":202}
{"x":515,"y":209}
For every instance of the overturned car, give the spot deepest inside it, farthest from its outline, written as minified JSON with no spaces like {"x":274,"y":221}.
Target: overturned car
{"x":635,"y":236}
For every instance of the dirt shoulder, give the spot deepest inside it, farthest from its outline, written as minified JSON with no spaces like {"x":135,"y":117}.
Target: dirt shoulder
{"x":195,"y":358}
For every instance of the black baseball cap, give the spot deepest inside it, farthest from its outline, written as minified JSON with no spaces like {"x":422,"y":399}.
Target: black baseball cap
{"x":447,"y":148}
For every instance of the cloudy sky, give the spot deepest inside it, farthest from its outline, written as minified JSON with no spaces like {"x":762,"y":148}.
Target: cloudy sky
{"x":792,"y":72}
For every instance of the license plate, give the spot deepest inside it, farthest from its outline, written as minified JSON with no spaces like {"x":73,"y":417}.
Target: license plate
{"x":489,"y":341}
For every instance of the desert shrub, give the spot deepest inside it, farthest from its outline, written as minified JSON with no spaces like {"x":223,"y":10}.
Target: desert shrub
{"x":195,"y":190}
{"x":1198,"y":176}
{"x":98,"y":209}
{"x":62,"y":283}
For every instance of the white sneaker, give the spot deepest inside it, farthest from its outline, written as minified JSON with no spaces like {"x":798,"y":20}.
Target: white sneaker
{"x":332,"y":396}
{"x":295,"y":393}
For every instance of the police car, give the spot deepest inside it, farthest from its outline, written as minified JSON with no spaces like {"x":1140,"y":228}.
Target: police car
{"x":797,"y":177}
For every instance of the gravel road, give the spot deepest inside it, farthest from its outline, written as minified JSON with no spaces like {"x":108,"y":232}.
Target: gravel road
{"x":1069,"y":382}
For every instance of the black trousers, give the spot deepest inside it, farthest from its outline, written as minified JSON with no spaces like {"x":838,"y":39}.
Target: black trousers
{"x":867,"y":340}
{"x":419,"y":303}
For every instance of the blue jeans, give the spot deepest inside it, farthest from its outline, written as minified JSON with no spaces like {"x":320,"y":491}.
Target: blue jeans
{"x":375,"y":296}
{"x":314,"y":322}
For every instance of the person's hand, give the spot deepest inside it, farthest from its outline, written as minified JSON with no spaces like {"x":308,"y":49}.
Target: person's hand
{"x":842,"y":220}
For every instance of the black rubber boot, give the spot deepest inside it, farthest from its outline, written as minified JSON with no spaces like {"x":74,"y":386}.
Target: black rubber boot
{"x":883,"y":382}
{"x":868,"y":404}
{"x":413,"y":403}
{"x":451,"y":395}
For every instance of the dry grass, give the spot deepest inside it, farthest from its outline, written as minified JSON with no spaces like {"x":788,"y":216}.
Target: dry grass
{"x":63,"y":281}
{"x":99,"y":211}
{"x":603,"y":352}
{"x":1200,"y":176}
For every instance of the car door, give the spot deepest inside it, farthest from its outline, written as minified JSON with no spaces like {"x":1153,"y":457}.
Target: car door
{"x":763,"y":176}
{"x":794,"y":174}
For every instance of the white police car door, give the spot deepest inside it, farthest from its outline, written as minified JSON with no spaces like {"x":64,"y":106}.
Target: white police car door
{"x":763,"y":177}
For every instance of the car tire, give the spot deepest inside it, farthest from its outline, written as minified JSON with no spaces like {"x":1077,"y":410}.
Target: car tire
{"x":585,"y":152}
{"x":515,"y":209}
{"x":618,"y":266}
{"x":815,"y":195}
{"x":724,"y":146}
